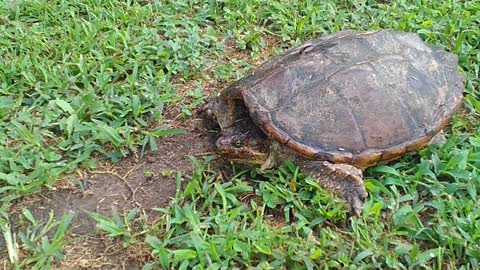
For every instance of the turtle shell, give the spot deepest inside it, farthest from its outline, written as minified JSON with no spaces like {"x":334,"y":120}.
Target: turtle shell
{"x":354,"y":97}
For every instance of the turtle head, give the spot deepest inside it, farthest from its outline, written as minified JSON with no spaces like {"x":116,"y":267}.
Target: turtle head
{"x":246,"y":147}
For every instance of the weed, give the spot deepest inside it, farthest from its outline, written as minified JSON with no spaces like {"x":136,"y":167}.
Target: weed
{"x":79,"y":78}
{"x":284,"y":220}
{"x":36,"y":242}
{"x":116,"y":226}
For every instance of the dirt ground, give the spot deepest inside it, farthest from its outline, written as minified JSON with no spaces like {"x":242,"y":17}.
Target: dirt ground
{"x":136,"y":182}
{"x":144,"y":183}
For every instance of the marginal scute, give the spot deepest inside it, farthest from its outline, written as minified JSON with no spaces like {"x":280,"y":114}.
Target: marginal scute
{"x":367,"y":159}
{"x":355,"y":97}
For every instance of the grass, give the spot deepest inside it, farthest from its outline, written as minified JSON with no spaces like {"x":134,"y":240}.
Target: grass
{"x":41,"y":241}
{"x":87,"y":80}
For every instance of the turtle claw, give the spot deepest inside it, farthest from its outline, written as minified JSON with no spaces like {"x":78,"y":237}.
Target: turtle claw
{"x":355,"y":201}
{"x":206,"y":110}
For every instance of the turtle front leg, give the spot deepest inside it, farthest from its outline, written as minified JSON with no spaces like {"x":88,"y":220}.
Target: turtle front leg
{"x":221,"y":110}
{"x":341,"y":179}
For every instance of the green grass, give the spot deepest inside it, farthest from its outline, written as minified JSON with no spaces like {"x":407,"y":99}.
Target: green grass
{"x":42,"y":241}
{"x":86,"y":80}
{"x":86,"y":77}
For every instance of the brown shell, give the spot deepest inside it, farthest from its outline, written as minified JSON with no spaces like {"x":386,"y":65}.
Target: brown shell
{"x":354,"y":97}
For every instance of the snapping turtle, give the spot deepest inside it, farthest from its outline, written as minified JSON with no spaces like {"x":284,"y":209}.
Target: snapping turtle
{"x":339,"y":104}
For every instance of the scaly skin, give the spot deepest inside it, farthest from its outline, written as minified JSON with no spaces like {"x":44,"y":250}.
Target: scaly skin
{"x":222,"y":111}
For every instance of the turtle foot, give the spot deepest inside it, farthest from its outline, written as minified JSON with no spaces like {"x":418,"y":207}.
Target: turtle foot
{"x":219,"y":110}
{"x":206,"y":110}
{"x":355,"y":200}
{"x":341,"y":179}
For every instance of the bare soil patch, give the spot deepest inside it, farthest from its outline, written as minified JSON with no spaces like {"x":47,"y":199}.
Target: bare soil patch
{"x":136,"y":182}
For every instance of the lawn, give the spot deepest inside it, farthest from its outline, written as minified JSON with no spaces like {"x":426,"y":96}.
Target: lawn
{"x":95,"y":82}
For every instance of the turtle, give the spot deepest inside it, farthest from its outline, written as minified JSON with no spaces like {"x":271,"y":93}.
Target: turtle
{"x":339,"y":104}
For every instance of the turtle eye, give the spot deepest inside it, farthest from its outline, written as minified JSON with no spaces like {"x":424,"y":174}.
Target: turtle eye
{"x":237,"y":143}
